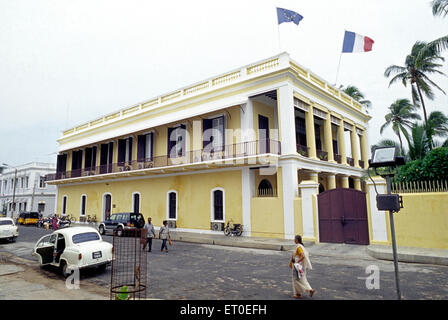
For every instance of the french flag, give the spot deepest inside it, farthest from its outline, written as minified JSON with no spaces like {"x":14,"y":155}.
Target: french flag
{"x":354,"y":42}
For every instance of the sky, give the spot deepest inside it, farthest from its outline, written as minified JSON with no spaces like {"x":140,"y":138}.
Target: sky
{"x":64,"y":62}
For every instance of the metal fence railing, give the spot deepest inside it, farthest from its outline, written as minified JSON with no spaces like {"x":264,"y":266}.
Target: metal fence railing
{"x":419,"y":186}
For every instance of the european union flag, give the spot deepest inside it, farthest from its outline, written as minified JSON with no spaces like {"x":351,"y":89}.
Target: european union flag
{"x":285,"y":15}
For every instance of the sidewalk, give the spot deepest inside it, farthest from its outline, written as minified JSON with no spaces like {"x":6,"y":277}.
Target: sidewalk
{"x":405,"y":254}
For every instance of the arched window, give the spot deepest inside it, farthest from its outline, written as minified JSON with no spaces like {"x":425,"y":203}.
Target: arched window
{"x":64,"y":205}
{"x":218,"y":208}
{"x":136,"y":202}
{"x":107,"y":205}
{"x":172,"y":205}
{"x":265,"y":189}
{"x":83,"y":204}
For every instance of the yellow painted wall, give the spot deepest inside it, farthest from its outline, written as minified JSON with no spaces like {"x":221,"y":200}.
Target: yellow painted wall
{"x":298,"y":226}
{"x":194,"y":197}
{"x":423,"y":222}
{"x":267,"y":214}
{"x":265,"y":111}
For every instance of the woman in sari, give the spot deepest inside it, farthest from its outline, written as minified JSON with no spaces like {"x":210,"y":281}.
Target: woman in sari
{"x":300,"y":264}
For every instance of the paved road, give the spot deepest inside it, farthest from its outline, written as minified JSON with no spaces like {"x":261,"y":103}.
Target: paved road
{"x":195,"y":271}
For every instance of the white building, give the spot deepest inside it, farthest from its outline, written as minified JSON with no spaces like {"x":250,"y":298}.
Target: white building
{"x":25,"y":186}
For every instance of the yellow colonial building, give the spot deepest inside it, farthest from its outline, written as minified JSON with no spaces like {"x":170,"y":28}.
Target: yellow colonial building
{"x":255,"y":145}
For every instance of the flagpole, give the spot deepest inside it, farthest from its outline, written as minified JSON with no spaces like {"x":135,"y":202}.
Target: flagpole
{"x":337,"y":72}
{"x":279,"y":42}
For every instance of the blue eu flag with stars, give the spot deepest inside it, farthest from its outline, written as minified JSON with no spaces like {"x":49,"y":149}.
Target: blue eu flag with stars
{"x":285,"y":15}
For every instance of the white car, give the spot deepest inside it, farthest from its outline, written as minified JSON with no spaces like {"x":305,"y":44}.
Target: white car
{"x":73,"y":247}
{"x":8,"y":229}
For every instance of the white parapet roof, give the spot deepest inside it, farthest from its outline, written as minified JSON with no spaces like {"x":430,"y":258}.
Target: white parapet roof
{"x":273,"y":64}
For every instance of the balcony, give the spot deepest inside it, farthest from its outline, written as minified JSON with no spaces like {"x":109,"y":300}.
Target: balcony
{"x":361,"y":163}
{"x":322,"y":155}
{"x":302,"y":150}
{"x":350,"y":161}
{"x":337,"y":158}
{"x":234,"y":153}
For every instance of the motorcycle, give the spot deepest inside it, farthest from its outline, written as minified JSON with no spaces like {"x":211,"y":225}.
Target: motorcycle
{"x":233,"y":229}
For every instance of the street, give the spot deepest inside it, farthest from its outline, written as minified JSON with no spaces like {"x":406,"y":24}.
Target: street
{"x":211,"y":272}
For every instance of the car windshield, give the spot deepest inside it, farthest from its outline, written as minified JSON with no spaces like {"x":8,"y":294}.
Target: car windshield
{"x":5,"y":222}
{"x":85,"y":237}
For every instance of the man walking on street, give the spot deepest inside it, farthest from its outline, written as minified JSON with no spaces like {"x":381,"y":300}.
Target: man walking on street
{"x":150,"y":233}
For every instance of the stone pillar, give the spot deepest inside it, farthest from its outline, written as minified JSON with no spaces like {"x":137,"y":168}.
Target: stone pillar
{"x":357,"y":183}
{"x":290,"y":191}
{"x":354,"y":145}
{"x":344,"y":180}
{"x":287,"y":125}
{"x":341,"y":143}
{"x":314,"y":176}
{"x":328,"y":138}
{"x":331,"y":181}
{"x":310,"y":133}
{"x":309,"y":191}
{"x":365,"y":153}
{"x":378,"y":218}
{"x":248,"y":185}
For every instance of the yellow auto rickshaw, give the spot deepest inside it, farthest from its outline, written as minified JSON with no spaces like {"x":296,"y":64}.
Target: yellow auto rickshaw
{"x":28,"y":218}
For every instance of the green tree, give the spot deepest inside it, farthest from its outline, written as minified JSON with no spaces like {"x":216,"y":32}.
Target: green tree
{"x":434,"y":166}
{"x":418,"y":65}
{"x":357,"y":95}
{"x":401,"y":112}
{"x":440,"y":7}
{"x":419,"y":144}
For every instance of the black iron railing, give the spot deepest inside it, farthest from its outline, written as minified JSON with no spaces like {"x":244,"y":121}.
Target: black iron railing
{"x":322,"y":155}
{"x":227,"y":152}
{"x":302,"y":150}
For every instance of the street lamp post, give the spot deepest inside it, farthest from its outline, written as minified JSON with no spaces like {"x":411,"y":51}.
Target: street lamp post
{"x":14,"y":190}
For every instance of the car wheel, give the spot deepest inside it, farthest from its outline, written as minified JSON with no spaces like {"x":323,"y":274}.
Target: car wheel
{"x":101,"y":230}
{"x":64,"y":269}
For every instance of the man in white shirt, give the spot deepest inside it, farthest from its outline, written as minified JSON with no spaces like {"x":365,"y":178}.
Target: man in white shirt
{"x":150,"y":233}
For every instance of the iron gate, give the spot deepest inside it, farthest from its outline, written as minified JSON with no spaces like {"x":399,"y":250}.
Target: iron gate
{"x":343,"y":216}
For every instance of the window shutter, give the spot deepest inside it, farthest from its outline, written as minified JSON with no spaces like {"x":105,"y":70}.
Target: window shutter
{"x":130,"y":149}
{"x":121,"y":150}
{"x":141,"y":147}
{"x":206,"y":124}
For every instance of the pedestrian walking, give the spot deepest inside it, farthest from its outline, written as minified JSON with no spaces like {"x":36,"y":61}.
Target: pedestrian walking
{"x":150,"y":233}
{"x":300,"y":264}
{"x":164,"y":234}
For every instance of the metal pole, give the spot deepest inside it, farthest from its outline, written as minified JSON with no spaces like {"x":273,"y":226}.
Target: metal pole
{"x":14,"y":195}
{"x":394,"y":244}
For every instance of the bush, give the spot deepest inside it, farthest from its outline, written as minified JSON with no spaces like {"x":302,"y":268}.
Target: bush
{"x":434,"y":166}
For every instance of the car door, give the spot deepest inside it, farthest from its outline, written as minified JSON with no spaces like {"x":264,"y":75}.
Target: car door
{"x":45,"y":248}
{"x":109,"y":223}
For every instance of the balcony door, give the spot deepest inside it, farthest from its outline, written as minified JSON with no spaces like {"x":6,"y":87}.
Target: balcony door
{"x":106,"y":157}
{"x":263,"y":134}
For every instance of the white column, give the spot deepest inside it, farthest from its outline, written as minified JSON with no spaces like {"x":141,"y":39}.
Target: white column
{"x":287,"y":125}
{"x":248,"y":183}
{"x":247,"y":122}
{"x":290,"y":191}
{"x":308,"y":190}
{"x":378,"y":218}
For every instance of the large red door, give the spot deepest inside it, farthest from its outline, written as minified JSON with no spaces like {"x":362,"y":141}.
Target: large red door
{"x":343,"y":216}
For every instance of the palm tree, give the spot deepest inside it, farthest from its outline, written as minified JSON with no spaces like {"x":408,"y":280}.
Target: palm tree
{"x":388,"y":143}
{"x":419,"y":144}
{"x":357,"y":95}
{"x":400,"y":116}
{"x":438,"y":123}
{"x":439,"y":8}
{"x":418,"y":65}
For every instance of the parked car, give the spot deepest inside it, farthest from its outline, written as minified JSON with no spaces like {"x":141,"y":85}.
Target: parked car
{"x":8,"y":229}
{"x":28,"y":218}
{"x":74,"y":247}
{"x":122,"y":222}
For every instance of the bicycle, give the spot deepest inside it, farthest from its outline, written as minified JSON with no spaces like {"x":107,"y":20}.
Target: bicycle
{"x":91,"y":219}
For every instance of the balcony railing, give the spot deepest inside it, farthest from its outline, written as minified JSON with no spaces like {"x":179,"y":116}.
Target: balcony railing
{"x":350,"y":161}
{"x":322,"y":155}
{"x":337,"y":158}
{"x":227,"y":152}
{"x":302,"y":150}
{"x":361,"y":163}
